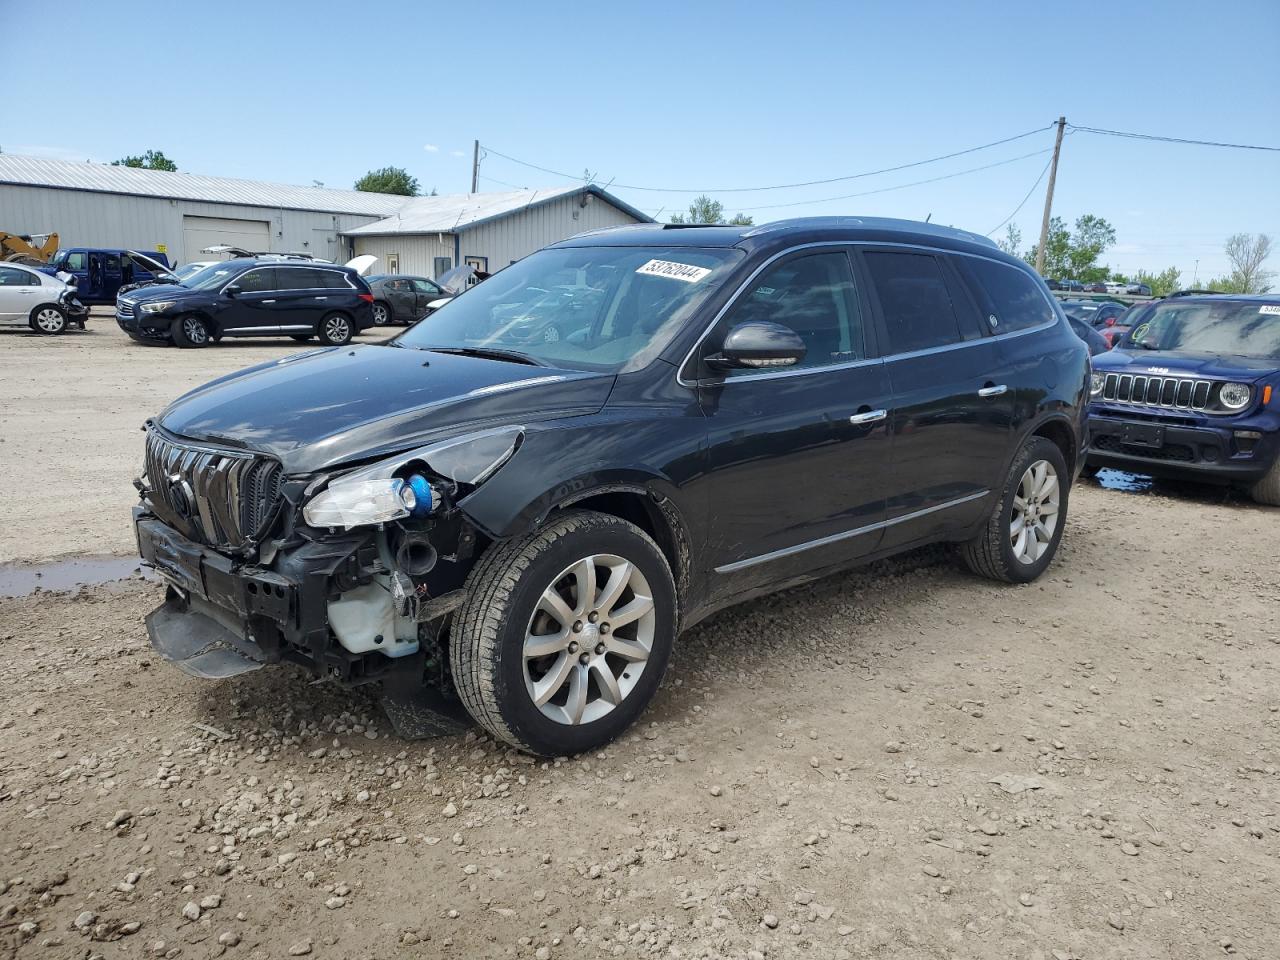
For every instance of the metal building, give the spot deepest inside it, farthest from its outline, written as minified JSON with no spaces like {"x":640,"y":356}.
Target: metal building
{"x":180,"y":214}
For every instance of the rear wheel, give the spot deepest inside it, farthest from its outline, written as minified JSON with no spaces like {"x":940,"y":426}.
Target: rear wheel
{"x":1267,"y":490}
{"x":1022,"y":534}
{"x":48,"y":319}
{"x":565,"y":634}
{"x":381,"y":314}
{"x":191,"y":332}
{"x":335,"y":329}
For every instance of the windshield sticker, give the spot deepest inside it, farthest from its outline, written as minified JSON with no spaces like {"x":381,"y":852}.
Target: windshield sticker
{"x":675,"y":271}
{"x":1271,"y":308}
{"x":1140,"y":332}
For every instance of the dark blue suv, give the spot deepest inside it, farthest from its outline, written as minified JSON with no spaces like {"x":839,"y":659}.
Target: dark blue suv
{"x":1189,"y":391}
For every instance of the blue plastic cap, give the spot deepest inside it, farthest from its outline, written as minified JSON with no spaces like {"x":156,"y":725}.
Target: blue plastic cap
{"x":425,"y":494}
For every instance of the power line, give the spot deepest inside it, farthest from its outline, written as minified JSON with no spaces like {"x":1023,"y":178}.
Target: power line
{"x":779,"y":186}
{"x":1024,"y":200}
{"x":900,"y":186}
{"x":1159,"y":139}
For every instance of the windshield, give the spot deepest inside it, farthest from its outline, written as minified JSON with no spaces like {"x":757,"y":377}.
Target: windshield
{"x":1234,"y":328}
{"x":188,"y":270}
{"x":591,"y":308}
{"x":210,"y":277}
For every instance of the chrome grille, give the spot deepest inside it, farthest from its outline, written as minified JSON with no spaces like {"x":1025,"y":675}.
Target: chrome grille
{"x":124,"y":308}
{"x":222,"y":498}
{"x":1175,"y":393}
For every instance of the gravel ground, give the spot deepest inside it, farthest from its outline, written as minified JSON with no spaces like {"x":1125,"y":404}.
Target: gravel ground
{"x":901,"y":762}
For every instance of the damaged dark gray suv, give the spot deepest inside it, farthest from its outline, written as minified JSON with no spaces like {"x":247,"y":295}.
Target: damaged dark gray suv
{"x":476,"y":514}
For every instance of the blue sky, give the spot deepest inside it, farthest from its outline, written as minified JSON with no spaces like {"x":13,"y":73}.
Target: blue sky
{"x":690,"y":95}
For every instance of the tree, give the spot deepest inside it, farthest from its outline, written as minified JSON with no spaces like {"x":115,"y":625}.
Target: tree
{"x":705,"y":210}
{"x":1074,"y":254}
{"x":389,"y":180}
{"x":1246,"y":253}
{"x":151,"y":160}
{"x":1162,"y":284}
{"x":1012,"y":242}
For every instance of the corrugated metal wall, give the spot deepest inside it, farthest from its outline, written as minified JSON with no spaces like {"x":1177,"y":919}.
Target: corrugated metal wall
{"x":85,"y":219}
{"x":518,"y":235}
{"x":417,"y":252}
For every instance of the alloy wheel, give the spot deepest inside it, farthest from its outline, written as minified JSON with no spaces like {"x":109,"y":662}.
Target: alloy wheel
{"x":1034,"y":515}
{"x":589,"y":639}
{"x":336,"y":329}
{"x":380,"y":314}
{"x":195,"y":331}
{"x":50,"y":320}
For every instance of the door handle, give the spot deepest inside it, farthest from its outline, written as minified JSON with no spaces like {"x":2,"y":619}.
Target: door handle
{"x":268,"y":301}
{"x":322,"y":298}
{"x":994,"y":390}
{"x":871,"y":416}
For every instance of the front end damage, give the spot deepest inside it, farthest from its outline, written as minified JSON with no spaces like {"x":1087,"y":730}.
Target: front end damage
{"x":264,"y":569}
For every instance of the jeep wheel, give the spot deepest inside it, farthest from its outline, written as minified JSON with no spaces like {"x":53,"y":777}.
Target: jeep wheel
{"x":1022,"y":534}
{"x":48,"y":319}
{"x":335,"y":329}
{"x":565,"y":634}
{"x":1267,"y":490}
{"x":191,"y":332}
{"x":381,"y":314}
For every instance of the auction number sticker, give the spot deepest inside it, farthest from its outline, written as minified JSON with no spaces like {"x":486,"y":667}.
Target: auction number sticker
{"x":675,"y":271}
{"x":1270,"y":308}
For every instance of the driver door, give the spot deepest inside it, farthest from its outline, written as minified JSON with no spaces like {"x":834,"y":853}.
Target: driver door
{"x":798,"y":456}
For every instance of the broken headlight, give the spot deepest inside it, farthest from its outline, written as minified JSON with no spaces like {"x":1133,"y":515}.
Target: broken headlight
{"x":391,"y":490}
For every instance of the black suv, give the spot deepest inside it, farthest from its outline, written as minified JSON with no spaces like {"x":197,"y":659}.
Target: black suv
{"x":524,"y":524}
{"x":251,"y":297}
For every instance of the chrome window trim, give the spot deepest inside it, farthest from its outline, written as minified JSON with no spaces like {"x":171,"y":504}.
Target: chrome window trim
{"x":737,"y":294}
{"x":846,"y":535}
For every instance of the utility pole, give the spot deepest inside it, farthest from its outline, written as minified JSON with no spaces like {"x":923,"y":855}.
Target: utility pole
{"x":1048,"y":198}
{"x":475,"y":165}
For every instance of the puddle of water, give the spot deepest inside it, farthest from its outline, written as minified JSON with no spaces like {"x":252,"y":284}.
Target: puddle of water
{"x":1187,"y":490}
{"x":1121,"y":480}
{"x":22,"y":579}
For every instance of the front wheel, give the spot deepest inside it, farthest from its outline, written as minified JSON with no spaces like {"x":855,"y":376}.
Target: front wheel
{"x":48,"y":319}
{"x":1267,"y":490}
{"x":191,"y":332}
{"x":1022,"y":534}
{"x":335,"y":330}
{"x":565,"y":634}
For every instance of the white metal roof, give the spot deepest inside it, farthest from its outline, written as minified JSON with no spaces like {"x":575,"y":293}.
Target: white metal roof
{"x":458,"y":212}
{"x":104,"y":178}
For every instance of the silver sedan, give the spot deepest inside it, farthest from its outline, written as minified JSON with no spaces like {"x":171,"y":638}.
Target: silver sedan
{"x":32,"y":298}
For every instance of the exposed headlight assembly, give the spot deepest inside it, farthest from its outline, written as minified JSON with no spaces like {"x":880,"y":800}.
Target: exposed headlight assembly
{"x":377,"y":494}
{"x":1234,"y":396}
{"x":157,"y":306}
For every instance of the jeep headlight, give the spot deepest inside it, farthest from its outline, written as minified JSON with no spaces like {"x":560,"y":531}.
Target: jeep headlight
{"x":379,"y":493}
{"x":157,"y":306}
{"x":1096,"y":383}
{"x":1234,"y":396}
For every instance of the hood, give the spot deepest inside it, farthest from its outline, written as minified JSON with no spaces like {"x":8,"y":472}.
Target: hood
{"x":325,"y":408}
{"x":147,"y":263}
{"x":168,"y":290}
{"x":1207,"y":366}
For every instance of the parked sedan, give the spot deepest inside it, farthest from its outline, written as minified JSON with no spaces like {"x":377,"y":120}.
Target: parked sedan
{"x":1096,"y":286}
{"x":1095,"y":341}
{"x":400,"y":299}
{"x":32,"y":298}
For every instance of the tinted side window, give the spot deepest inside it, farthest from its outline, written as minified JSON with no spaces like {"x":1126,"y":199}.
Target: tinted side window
{"x":13,"y":277}
{"x":1015,"y":298}
{"x":254,"y":281}
{"x":297,"y":278}
{"x":918,"y":311}
{"x":332,"y":280}
{"x":814,"y":296}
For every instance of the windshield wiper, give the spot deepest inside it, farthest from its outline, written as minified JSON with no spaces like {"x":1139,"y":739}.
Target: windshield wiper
{"x":489,"y":353}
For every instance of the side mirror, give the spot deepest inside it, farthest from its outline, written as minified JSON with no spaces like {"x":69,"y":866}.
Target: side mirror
{"x":758,"y":344}
{"x":231,"y":289}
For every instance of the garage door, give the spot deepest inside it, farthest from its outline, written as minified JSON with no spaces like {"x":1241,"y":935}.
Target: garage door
{"x":201,"y":232}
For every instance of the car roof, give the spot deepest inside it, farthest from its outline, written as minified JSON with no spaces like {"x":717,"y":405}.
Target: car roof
{"x":788,"y":232}
{"x":274,"y":261}
{"x":1260,"y":298}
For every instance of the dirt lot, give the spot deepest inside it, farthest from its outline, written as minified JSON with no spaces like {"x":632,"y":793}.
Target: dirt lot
{"x":902,"y":762}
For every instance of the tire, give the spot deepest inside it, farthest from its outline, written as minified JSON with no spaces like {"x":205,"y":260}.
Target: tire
{"x":1089,"y":471}
{"x":48,"y":319}
{"x":334,"y":329}
{"x":496,"y":677}
{"x":191,"y":332}
{"x":1267,"y":490}
{"x":383,"y":315}
{"x":302,"y":337}
{"x":1001,"y":551}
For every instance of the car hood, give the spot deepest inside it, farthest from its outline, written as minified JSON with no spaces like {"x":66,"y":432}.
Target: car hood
{"x":1209,"y":366}
{"x":334,"y":406}
{"x":171,"y":290}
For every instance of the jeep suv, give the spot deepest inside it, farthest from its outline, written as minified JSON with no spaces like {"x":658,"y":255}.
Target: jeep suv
{"x":1187,"y":393}
{"x":251,"y":297}
{"x":522,"y":525}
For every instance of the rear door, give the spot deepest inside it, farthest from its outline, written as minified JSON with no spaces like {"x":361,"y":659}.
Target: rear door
{"x":403,"y":299}
{"x":302,"y":295}
{"x":952,"y":409}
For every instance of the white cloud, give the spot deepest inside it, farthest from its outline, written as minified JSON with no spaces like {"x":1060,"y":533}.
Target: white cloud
{"x":457,"y":153}
{"x":430,"y":148}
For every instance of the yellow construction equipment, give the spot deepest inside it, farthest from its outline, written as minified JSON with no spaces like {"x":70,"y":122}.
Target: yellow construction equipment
{"x":19,"y":248}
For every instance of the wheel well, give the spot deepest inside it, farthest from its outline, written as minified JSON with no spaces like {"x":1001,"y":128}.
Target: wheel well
{"x":1060,"y":435}
{"x":650,"y":517}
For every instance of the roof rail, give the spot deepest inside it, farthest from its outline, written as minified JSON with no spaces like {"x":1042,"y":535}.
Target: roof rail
{"x":883,"y":223}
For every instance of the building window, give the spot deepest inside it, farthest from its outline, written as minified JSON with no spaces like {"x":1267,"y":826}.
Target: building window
{"x":393,"y":263}
{"x":478,"y":263}
{"x":442,"y":266}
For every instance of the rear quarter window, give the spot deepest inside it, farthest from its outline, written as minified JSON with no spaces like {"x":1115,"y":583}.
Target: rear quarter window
{"x":1010,"y":295}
